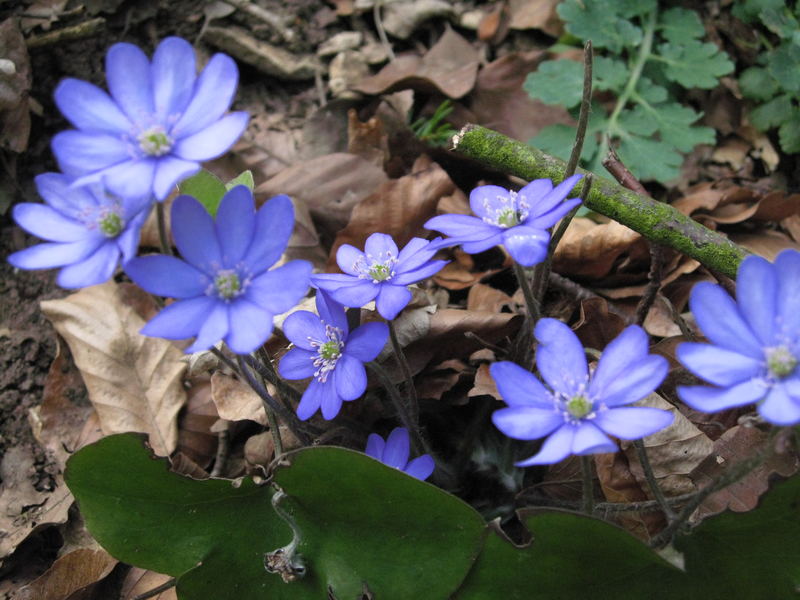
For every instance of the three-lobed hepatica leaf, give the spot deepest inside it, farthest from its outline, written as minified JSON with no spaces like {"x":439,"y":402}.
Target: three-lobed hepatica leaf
{"x":365,"y":526}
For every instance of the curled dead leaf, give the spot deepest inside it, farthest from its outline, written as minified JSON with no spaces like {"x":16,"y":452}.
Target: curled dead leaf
{"x":70,"y":574}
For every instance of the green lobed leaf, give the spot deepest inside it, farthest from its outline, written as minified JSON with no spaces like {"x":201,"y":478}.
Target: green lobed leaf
{"x":243,"y":178}
{"x":650,"y":91}
{"x":679,"y":25}
{"x":694,"y":64}
{"x":780,"y":21}
{"x":609,"y":74}
{"x":758,"y":84}
{"x":789,"y":133}
{"x":556,"y":82}
{"x":772,"y":113}
{"x":749,"y":10}
{"x":206,"y":187}
{"x":784,"y":66}
{"x":649,"y":158}
{"x":605,"y":22}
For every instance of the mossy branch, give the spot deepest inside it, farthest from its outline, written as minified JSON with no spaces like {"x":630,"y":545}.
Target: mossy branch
{"x":657,"y":221}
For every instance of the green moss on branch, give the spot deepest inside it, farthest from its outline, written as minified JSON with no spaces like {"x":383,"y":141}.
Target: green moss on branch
{"x":656,"y":221}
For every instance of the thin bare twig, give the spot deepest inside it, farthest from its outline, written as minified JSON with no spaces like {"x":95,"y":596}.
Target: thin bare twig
{"x":157,"y":590}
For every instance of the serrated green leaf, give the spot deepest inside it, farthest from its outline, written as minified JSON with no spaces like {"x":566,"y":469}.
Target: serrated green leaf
{"x":206,"y":187}
{"x":675,"y":126}
{"x":772,"y":113}
{"x":650,"y":91}
{"x":694,"y":64}
{"x":780,"y":21}
{"x":650,"y":159}
{"x":784,"y":66}
{"x":558,"y":140}
{"x":789,"y":133}
{"x":748,"y":10}
{"x":602,"y":21}
{"x":758,"y":84}
{"x":638,"y":121}
{"x":679,"y":25}
{"x":610,"y":74}
{"x":243,"y":178}
{"x":556,"y":82}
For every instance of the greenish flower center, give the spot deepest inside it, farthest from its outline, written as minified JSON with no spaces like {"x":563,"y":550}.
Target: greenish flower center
{"x":227,"y":284}
{"x":380,"y":272}
{"x":508,"y":217}
{"x":110,"y":224}
{"x":330,"y":350}
{"x":155,"y":142}
{"x":781,"y":362}
{"x":579,"y":406}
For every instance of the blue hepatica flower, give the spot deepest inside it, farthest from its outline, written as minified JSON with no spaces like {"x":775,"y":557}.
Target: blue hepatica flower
{"x":394,"y":452}
{"x":755,"y":341}
{"x":516,"y":220}
{"x":160,"y":121}
{"x":223,"y":284}
{"x":380,"y":273}
{"x":580,"y":408}
{"x":87,"y":230}
{"x":326,"y":350}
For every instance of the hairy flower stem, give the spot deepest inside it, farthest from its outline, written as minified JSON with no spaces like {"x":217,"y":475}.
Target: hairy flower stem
{"x":588,"y":484}
{"x":644,"y":460}
{"x":163,"y":238}
{"x":419,"y":443}
{"x":657,"y":221}
{"x":411,"y":391}
{"x":729,"y":477}
{"x":263,"y":364}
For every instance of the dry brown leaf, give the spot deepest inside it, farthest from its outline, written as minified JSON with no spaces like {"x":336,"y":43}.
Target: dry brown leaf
{"x":15,"y":121}
{"x":765,"y":243}
{"x":134,"y":382}
{"x":449,"y":67}
{"x":329,"y":186}
{"x":536,"y":15}
{"x":597,"y":326}
{"x":489,"y":299}
{"x":401,"y":19}
{"x":70,"y":574}
{"x":138,"y":581}
{"x":195,"y":438}
{"x":792,"y":226}
{"x":236,"y":401}
{"x":674,"y":452}
{"x":398,"y":208}
{"x":591,"y":250}
{"x":737,"y":444}
{"x":367,"y":139}
{"x":484,"y":384}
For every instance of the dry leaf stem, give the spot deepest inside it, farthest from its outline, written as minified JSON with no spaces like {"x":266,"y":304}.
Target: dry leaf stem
{"x":650,"y":476}
{"x":657,"y":221}
{"x":163,"y":237}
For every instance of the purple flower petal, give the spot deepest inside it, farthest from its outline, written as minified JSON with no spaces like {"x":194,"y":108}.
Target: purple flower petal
{"x":555,"y":448}
{"x":181,"y":319}
{"x":553,"y":216}
{"x":331,"y":402}
{"x":250,"y":326}
{"x":195,"y":234}
{"x":486,"y":200}
{"x":632,"y":423}
{"x":414,"y":254}
{"x":213,"y":94}
{"x":169,"y":172}
{"x":718,"y":365}
{"x":173,"y":76}
{"x":421,"y":467}
{"x":367,"y":341}
{"x":533,"y":193}
{"x":395,"y":454}
{"x":331,"y":312}
{"x":419,"y":274}
{"x":560,"y":357}
{"x":214,"y":140}
{"x":462,"y":226}
{"x":779,"y":408}
{"x":311,"y":400}
{"x":380,"y":245}
{"x":391,"y":300}
{"x":57,"y":191}
{"x":48,"y":224}
{"x":215,"y":327}
{"x":167,"y":276}
{"x":281,"y":289}
{"x":711,"y":400}
{"x":519,"y":387}
{"x":757,"y":297}
{"x":349,"y":377}
{"x":787,"y":264}
{"x":720,"y":320}
{"x":297,"y":364}
{"x":474,"y":247}
{"x":527,"y":246}
{"x":131,"y":179}
{"x":79,"y":152}
{"x":274,"y":224}
{"x":347,"y":257}
{"x":303,"y":326}
{"x":527,"y":422}
{"x":235,"y":224}
{"x":89,"y":108}
{"x":556,"y":195}
{"x":355,"y":293}
{"x":375,"y":446}
{"x":94,"y":269}
{"x":128,"y":240}
{"x":128,"y":76}
{"x":588,"y":439}
{"x":636,"y":382}
{"x":56,"y":254}
{"x":620,"y":354}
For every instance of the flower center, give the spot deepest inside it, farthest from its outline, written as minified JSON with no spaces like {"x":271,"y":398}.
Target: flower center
{"x":376,"y":269}
{"x":110,"y":224}
{"x":155,"y":141}
{"x":328,"y":352}
{"x":506,"y":211}
{"x":380,"y":272}
{"x":227,"y":284}
{"x":781,"y":362}
{"x":579,"y":406}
